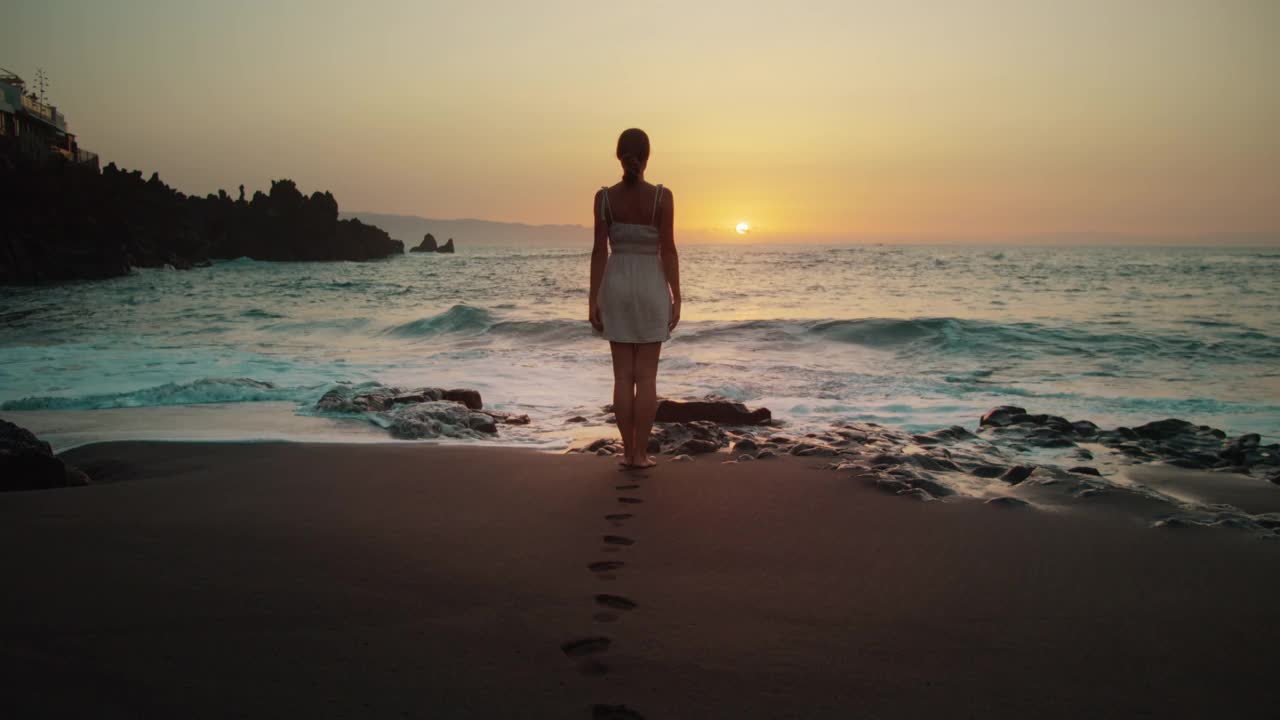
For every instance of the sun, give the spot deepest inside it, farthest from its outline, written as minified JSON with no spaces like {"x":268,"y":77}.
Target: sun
{"x":743,"y":228}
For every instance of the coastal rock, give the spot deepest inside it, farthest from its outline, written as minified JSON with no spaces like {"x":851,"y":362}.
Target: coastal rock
{"x":889,"y":485}
{"x":1017,"y":474}
{"x":1164,"y":429}
{"x":745,"y":445}
{"x":428,"y":244}
{"x":711,"y":409}
{"x":918,"y":494}
{"x":689,"y":438}
{"x":470,"y":398}
{"x":417,"y":396}
{"x":1083,"y":470}
{"x":447,"y":247}
{"x":937,"y":464}
{"x":28,"y":463}
{"x":697,"y":446}
{"x":377,"y":398}
{"x":950,"y":434}
{"x":419,"y":413}
{"x":1001,"y":416}
{"x":932,"y":486}
{"x":439,"y":419}
{"x":988,"y":471}
{"x":1005,"y":501}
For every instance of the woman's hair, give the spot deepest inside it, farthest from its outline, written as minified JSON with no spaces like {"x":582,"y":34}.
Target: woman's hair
{"x":633,"y":150}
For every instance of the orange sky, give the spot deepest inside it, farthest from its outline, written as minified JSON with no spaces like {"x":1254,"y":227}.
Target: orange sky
{"x":821,"y":120}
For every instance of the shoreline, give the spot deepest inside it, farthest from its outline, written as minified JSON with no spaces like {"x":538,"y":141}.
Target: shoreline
{"x":208,"y":580}
{"x":1167,"y":473}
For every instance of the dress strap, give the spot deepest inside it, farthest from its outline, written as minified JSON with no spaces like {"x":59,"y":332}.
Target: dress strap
{"x":657,"y":198}
{"x":604,"y":204}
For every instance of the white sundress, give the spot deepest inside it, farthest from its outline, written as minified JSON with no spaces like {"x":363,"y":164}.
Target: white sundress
{"x":635,"y":304}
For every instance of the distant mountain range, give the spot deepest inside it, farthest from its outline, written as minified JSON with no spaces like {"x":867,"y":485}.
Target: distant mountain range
{"x":475,"y":233}
{"x":481,"y":233}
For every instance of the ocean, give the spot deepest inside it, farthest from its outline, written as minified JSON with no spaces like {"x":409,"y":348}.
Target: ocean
{"x":912,"y":337}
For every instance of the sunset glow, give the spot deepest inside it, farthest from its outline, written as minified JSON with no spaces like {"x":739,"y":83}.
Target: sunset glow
{"x":885,"y":121}
{"x":743,"y":228}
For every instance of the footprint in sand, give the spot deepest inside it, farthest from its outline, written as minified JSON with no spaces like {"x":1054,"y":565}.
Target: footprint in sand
{"x":605,"y":565}
{"x":586,"y":646}
{"x":618,"y":540}
{"x":630,"y":500}
{"x":626,"y":487}
{"x":617,"y":602}
{"x":617,"y":518}
{"x":614,"y":712}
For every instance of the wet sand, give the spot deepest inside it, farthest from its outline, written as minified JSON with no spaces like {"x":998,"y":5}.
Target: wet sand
{"x":280,"y":579}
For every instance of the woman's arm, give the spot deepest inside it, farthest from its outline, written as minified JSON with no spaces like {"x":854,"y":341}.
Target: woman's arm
{"x":667,"y":248}
{"x":599,"y":255}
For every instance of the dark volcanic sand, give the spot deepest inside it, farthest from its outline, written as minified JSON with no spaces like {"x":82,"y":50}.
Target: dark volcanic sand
{"x":291,"y":580}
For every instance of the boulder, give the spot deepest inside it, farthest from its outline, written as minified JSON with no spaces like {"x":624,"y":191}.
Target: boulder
{"x":687,"y":438}
{"x":28,"y":463}
{"x":1165,"y":429}
{"x":716,"y":410}
{"x":470,"y":398}
{"x":950,"y":434}
{"x":428,"y":244}
{"x":1017,"y":474}
{"x":1084,"y":470}
{"x":439,"y":419}
{"x":1001,"y":416}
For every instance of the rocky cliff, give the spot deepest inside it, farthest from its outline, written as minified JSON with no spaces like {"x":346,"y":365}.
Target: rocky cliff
{"x":68,"y":222}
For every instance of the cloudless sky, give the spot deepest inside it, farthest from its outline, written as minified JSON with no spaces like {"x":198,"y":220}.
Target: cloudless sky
{"x":963,"y":119}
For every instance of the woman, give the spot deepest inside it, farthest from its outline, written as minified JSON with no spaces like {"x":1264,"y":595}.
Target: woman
{"x":635,"y":290}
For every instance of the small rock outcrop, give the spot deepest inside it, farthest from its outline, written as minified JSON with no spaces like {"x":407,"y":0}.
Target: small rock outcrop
{"x":28,"y":463}
{"x":447,"y":247}
{"x":689,"y":438}
{"x":711,"y":409}
{"x":428,"y":244}
{"x":419,"y":413}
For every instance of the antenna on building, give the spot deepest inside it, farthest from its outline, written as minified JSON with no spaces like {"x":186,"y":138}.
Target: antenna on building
{"x":42,"y":83}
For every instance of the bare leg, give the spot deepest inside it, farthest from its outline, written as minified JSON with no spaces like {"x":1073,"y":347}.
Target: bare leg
{"x":624,"y":383}
{"x":646,"y":403}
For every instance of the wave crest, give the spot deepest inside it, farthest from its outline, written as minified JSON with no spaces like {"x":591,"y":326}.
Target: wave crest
{"x":197,"y":392}
{"x":459,"y":319}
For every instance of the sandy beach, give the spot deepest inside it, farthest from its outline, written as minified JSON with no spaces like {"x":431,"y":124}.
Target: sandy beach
{"x":289,"y":580}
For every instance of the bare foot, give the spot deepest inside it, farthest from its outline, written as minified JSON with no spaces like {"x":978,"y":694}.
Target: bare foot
{"x":642,"y":462}
{"x":625,"y":462}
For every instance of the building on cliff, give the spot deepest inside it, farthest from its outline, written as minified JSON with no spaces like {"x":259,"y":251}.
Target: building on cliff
{"x":36,"y":125}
